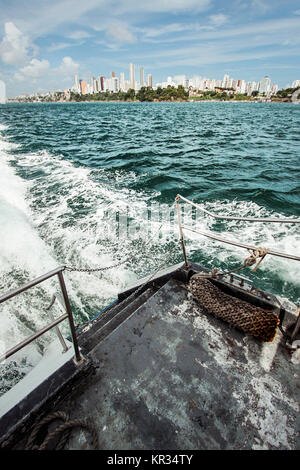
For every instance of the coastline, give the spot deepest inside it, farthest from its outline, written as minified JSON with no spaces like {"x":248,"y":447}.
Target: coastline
{"x":10,"y":101}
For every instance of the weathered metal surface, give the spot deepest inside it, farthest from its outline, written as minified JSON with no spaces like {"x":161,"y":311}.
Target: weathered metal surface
{"x":173,"y":377}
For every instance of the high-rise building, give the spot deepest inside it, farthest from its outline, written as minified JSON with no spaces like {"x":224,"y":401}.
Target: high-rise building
{"x":226,"y":81}
{"x":296,"y":83}
{"x":113,"y":75}
{"x":264,"y":85}
{"x":122,"y":81}
{"x":95,"y":85}
{"x":141,"y":76}
{"x":2,"y":92}
{"x":149,"y":80}
{"x":132,"y":80}
{"x":77,"y":86}
{"x":102,"y":83}
{"x":83,"y":87}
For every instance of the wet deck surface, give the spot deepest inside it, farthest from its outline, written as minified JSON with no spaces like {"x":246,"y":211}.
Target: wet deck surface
{"x":172,"y":377}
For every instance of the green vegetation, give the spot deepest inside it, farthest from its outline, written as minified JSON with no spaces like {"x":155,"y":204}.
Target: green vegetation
{"x":285,"y":93}
{"x":220,"y":96}
{"x":144,"y":94}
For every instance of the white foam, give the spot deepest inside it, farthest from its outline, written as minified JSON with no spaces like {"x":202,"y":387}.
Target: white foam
{"x":58,"y":217}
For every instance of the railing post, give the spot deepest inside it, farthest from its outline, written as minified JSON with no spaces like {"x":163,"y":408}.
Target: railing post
{"x":180,"y":229}
{"x":70,"y":316}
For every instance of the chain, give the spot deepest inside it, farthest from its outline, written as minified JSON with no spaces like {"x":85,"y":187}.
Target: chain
{"x":92,"y":270}
{"x":106,"y":268}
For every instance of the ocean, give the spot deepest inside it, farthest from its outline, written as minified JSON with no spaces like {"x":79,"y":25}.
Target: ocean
{"x":71,"y":172}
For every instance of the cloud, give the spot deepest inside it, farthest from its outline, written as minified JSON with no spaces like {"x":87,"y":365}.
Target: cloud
{"x":15,"y":46}
{"x":218,"y":19}
{"x":79,"y":35}
{"x":297,"y":12}
{"x":36,"y":69}
{"x":59,"y":46}
{"x":68,"y":68}
{"x":120,"y":33}
{"x":163,"y":6}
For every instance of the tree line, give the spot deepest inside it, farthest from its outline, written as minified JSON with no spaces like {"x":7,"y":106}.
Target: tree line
{"x":144,"y":94}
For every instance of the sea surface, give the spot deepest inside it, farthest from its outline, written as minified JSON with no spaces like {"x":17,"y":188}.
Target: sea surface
{"x":71,"y":172}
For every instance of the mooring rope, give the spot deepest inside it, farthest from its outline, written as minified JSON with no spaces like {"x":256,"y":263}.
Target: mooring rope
{"x":63,"y":430}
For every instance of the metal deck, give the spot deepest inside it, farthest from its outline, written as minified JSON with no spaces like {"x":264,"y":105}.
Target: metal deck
{"x":172,"y":377}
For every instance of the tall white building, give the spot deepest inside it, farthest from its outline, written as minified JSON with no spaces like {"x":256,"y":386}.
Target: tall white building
{"x":2,"y":92}
{"x":77,"y":85}
{"x":250,"y":87}
{"x":265,"y":85}
{"x":132,"y":80}
{"x":142,"y":81}
{"x":122,"y":81}
{"x":149,"y":80}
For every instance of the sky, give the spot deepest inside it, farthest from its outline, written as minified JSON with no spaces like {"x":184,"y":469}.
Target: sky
{"x":44,"y":43}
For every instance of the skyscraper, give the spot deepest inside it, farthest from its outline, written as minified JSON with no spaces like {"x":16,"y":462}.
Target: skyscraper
{"x":141,"y":76}
{"x":2,"y":92}
{"x":102,"y":83}
{"x":132,"y":80}
{"x":265,"y":85}
{"x":77,"y":86}
{"x":149,"y":80}
{"x":122,"y":81}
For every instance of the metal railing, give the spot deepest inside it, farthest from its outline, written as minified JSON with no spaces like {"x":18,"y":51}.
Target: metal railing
{"x":225,"y":240}
{"x":232,"y":242}
{"x":59,"y":273}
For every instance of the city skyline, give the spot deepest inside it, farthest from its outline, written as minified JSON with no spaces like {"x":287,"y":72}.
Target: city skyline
{"x":115,"y":83}
{"x":43,"y":46}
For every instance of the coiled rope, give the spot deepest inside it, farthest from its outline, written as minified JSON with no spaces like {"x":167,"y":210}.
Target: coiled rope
{"x":63,"y":431}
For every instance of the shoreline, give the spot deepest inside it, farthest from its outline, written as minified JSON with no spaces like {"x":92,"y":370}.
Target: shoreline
{"x":136,"y":101}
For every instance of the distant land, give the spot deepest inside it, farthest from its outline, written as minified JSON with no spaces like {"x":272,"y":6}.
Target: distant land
{"x":168,"y":94}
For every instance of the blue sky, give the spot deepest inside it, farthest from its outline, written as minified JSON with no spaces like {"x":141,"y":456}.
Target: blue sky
{"x":43,"y":43}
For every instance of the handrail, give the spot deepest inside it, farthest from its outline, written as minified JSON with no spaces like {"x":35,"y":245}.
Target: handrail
{"x":241,"y":245}
{"x":246,"y":219}
{"x":231,"y":242}
{"x":55,"y":272}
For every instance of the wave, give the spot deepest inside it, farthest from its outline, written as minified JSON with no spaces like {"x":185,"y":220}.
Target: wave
{"x":57,"y":210}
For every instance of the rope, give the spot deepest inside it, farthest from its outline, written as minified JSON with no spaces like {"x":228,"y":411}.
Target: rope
{"x":63,"y":430}
{"x":238,"y":313}
{"x":252,"y":259}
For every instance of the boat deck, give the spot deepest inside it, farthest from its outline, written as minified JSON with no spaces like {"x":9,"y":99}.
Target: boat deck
{"x":160,"y":373}
{"x":172,"y":377}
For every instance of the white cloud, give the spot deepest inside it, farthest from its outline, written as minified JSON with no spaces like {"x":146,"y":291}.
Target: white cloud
{"x":297,"y":12}
{"x":15,"y":46}
{"x":119,"y":32}
{"x":59,"y":46}
{"x":163,"y":6}
{"x":36,"y":69}
{"x":218,"y":19}
{"x":68,"y":68}
{"x":79,"y":35}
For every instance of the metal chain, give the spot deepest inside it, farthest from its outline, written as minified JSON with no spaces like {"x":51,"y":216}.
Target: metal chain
{"x":91,"y":270}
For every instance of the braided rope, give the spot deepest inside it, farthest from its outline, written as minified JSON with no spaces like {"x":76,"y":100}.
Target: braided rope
{"x":239,"y":313}
{"x":63,"y":430}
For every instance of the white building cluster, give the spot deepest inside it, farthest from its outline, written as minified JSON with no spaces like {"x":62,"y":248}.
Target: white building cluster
{"x":197,"y":83}
{"x":113,"y":83}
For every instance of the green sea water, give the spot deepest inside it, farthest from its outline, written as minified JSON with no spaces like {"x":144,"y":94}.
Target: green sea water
{"x":70,"y":172}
